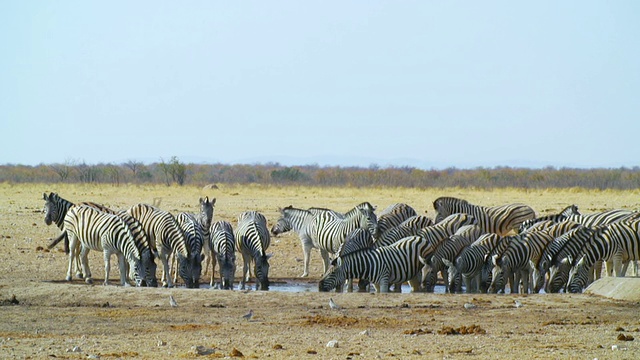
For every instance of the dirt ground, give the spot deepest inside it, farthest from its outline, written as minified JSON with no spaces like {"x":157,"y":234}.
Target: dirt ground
{"x":43,"y":316}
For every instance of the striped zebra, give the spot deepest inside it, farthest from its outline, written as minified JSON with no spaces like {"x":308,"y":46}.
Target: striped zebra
{"x":205,"y":217}
{"x":467,"y":267}
{"x":328,"y":232}
{"x":394,"y":215}
{"x":194,"y":240}
{"x":222,"y":244}
{"x":55,"y":209}
{"x":555,"y":218}
{"x":410,"y":227}
{"x":382,"y":266}
{"x":142,"y":241}
{"x":525,"y":249}
{"x":166,"y":238}
{"x":554,"y":259}
{"x":299,"y":220}
{"x":604,"y":217}
{"x":91,"y":229}
{"x":618,"y":242}
{"x":498,"y":219}
{"x":252,"y":241}
{"x":358,"y":239}
{"x":448,"y":250}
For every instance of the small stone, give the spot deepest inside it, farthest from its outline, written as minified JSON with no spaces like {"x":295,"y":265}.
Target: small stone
{"x":162,"y":343}
{"x":365,"y":333}
{"x":93,"y":356}
{"x":333,"y":344}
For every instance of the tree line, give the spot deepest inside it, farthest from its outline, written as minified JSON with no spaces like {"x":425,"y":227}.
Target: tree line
{"x":175,"y":171}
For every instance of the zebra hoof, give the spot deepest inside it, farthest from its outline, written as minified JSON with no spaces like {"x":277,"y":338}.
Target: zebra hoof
{"x":68,"y":278}
{"x":304,"y":275}
{"x":79,"y":276}
{"x":89,"y":280}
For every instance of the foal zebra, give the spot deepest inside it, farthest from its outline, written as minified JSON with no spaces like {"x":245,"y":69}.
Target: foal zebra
{"x":55,"y":209}
{"x":166,"y":238}
{"x":223,"y":252}
{"x":328,"y":232}
{"x":498,"y":219}
{"x":92,"y":229}
{"x":619,"y":242}
{"x":252,"y":240}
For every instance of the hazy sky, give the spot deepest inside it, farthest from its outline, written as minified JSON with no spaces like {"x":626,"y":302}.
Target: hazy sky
{"x":420,"y":83}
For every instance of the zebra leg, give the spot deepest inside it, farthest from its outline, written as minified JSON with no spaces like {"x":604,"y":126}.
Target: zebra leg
{"x":307,"y":245}
{"x":245,"y":270}
{"x":383,"y":286}
{"x":72,"y":255}
{"x":414,"y":283}
{"x":84,"y":260}
{"x":211,"y":260}
{"x":166,"y":274}
{"x":123,"y":265}
{"x":174,"y":267}
{"x":325,"y":259}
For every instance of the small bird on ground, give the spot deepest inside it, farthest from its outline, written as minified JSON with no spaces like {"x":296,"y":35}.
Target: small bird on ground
{"x":469,"y":306}
{"x":172,"y":301}
{"x":333,"y":305}
{"x":517,"y":304}
{"x":248,"y":315}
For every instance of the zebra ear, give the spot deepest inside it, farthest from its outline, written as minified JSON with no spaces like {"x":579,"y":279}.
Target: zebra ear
{"x":45,"y":196}
{"x":496,"y":261}
{"x":532,"y":264}
{"x":422,"y":260}
{"x":269,"y":256}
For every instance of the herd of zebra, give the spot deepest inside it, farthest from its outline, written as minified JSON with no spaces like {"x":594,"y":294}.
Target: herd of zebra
{"x":472,"y":247}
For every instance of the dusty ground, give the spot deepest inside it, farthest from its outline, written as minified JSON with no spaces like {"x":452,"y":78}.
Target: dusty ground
{"x":45,"y":317}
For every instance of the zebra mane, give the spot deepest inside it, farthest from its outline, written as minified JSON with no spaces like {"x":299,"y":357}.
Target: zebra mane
{"x":448,"y":199}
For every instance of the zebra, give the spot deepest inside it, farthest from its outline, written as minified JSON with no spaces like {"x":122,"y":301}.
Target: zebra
{"x":55,"y":209}
{"x":396,"y":263}
{"x":299,"y":221}
{"x":467,"y":266}
{"x":409,"y":227}
{"x":523,"y":250}
{"x":619,"y":242}
{"x":92,"y":229}
{"x":563,"y":215}
{"x":195,"y":239}
{"x":498,"y":219}
{"x":448,"y":250}
{"x":166,"y":238}
{"x":603,"y":218}
{"x":394,"y":215}
{"x":328,"y":232}
{"x":142,"y":241}
{"x":222,"y":244}
{"x":252,"y":240}
{"x":554,"y":259}
{"x":205,"y":217}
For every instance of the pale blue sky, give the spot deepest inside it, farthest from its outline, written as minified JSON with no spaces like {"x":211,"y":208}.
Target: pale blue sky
{"x":420,"y":83}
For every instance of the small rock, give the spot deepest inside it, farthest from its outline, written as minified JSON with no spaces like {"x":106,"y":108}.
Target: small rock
{"x":93,"y":356}
{"x":236,"y":353}
{"x":333,"y":344}
{"x":162,"y":343}
{"x":365,"y":333}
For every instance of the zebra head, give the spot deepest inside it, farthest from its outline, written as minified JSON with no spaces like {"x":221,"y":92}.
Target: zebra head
{"x":281,"y":226}
{"x":148,"y":259}
{"x":369,"y":221}
{"x":184,"y":269}
{"x":194,"y":271}
{"x":429,"y":276}
{"x":227,"y":270}
{"x":137,"y":271}
{"x":52,"y":210}
{"x":261,"y":269}
{"x":206,"y":210}
{"x":334,"y":276}
{"x":454,"y":277}
{"x":558,"y":276}
{"x":497,"y":274}
{"x":578,"y":276}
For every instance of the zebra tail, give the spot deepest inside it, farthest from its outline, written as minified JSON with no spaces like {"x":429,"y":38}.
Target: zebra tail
{"x":55,"y":242}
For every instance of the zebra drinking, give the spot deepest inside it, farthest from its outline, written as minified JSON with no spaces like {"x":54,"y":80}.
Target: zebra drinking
{"x":222,"y":245}
{"x":95,"y":230}
{"x":252,"y":240}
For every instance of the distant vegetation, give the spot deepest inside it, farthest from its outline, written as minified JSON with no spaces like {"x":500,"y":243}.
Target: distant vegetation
{"x":176,"y":172}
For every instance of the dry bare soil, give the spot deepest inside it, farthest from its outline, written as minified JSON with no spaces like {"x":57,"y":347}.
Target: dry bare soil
{"x":42,"y":316}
